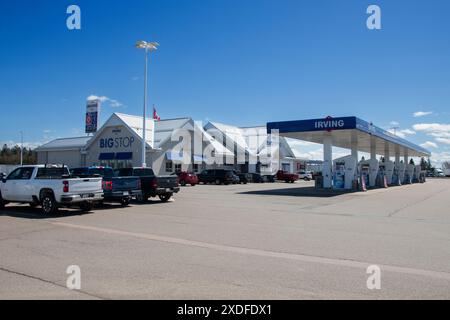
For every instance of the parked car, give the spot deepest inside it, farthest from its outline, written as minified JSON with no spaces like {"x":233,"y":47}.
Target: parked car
{"x":115,"y":189}
{"x":286,"y":176}
{"x":151,"y":185}
{"x":49,"y":186}
{"x":269,"y":178}
{"x":217,"y":176}
{"x":243,"y":177}
{"x":257,"y":178}
{"x":185,"y":178}
{"x":305,"y":175}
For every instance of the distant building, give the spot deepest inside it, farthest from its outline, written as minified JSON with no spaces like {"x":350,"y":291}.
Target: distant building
{"x":118,"y":143}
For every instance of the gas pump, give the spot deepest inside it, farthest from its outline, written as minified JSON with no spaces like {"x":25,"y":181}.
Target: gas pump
{"x":344,"y":170}
{"x":395,"y":176}
{"x":364,"y":170}
{"x":338,"y":174}
{"x":389,"y":171}
{"x":417,"y":172}
{"x":381,"y":177}
{"x":409,"y":173}
{"x":374,"y":166}
{"x":401,"y":172}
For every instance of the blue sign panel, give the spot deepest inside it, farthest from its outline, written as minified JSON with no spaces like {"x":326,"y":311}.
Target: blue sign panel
{"x":92,"y":110}
{"x":327,"y":124}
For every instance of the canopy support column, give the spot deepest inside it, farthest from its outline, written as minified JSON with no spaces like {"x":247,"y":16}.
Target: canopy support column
{"x":373,"y":147}
{"x":387,"y":151}
{"x":327,"y":160}
{"x":397,"y":154}
{"x":354,"y":146}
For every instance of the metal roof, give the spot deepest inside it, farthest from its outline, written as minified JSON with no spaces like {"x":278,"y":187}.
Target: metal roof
{"x":65,"y":144}
{"x":163,"y":128}
{"x":341,"y":130}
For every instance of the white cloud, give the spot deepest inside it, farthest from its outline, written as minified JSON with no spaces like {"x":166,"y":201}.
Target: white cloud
{"x":407,"y":131}
{"x":432,"y":127}
{"x":440,"y":132}
{"x":103,"y":99}
{"x":402,"y":133}
{"x":397,"y":133}
{"x":443,"y":140}
{"x":419,"y":114}
{"x":429,"y":144}
{"x":438,"y":158}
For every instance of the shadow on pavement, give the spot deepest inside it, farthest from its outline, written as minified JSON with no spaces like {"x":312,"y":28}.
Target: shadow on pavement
{"x":36,"y":213}
{"x":26,"y":212}
{"x":299,"y":192}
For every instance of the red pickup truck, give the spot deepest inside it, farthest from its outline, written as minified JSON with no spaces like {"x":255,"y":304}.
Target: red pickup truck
{"x":287,"y":177}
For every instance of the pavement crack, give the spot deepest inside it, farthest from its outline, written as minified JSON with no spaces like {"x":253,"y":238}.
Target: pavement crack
{"x":416,"y":203}
{"x":49,"y":282}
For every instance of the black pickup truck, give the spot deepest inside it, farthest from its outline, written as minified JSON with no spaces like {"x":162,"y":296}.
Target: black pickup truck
{"x":115,"y":188}
{"x":151,"y":185}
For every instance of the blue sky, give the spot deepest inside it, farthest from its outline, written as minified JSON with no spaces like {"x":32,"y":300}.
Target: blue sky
{"x":238,"y":62}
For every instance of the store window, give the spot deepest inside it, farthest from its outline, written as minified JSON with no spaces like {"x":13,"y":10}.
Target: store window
{"x":169,"y":166}
{"x":116,"y":164}
{"x":195,"y":167}
{"x":178,"y":167}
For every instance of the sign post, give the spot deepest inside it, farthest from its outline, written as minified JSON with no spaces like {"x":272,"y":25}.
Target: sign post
{"x":92,"y":115}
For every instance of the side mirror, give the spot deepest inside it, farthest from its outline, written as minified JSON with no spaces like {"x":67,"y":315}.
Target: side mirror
{"x":3,"y":177}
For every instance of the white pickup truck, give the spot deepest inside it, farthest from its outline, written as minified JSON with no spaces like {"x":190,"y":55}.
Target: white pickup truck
{"x":50,"y":187}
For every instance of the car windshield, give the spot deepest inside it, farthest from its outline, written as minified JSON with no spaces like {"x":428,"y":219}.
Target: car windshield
{"x":103,"y":172}
{"x":143,"y":172}
{"x":52,"y":173}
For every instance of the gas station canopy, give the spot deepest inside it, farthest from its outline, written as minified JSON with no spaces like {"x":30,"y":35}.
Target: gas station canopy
{"x":349,"y":133}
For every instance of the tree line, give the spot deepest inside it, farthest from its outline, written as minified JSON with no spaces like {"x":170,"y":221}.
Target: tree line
{"x":12,"y":155}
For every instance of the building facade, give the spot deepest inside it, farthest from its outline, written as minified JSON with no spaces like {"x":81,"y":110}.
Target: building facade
{"x":118,"y":144}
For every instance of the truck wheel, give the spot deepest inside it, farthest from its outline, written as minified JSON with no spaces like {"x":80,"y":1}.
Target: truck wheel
{"x":193,"y":184}
{"x":2,"y":203}
{"x":49,"y":205}
{"x":142,"y":198}
{"x":165,"y":197}
{"x":125,"y":202}
{"x":218,"y":182}
{"x":183,"y":183}
{"x":86,"y":206}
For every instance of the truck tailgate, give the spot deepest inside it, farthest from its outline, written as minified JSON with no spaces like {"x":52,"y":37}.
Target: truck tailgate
{"x":125,"y":183}
{"x":85,"y":185}
{"x":167,"y":181}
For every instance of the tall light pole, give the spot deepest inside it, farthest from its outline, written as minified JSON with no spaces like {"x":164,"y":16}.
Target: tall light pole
{"x":148,"y":46}
{"x":21,"y":148}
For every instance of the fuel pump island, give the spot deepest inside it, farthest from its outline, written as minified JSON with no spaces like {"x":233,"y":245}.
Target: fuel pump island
{"x":350,"y":173}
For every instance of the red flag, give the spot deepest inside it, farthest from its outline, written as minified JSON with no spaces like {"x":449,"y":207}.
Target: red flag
{"x":155,"y":114}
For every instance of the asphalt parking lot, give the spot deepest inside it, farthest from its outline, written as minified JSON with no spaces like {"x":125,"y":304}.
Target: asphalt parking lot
{"x":255,"y":241}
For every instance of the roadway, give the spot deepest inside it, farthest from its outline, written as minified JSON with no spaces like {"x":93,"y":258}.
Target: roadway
{"x":255,"y":241}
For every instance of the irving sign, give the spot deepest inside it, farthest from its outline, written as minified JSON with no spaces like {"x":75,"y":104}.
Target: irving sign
{"x":92,"y":112}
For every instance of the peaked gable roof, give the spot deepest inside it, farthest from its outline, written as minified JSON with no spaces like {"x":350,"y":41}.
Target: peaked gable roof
{"x":65,"y":143}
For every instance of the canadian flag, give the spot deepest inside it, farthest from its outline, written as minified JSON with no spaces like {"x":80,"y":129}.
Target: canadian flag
{"x":155,"y":114}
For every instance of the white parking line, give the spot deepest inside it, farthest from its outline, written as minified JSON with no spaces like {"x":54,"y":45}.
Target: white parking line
{"x":263,"y":253}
